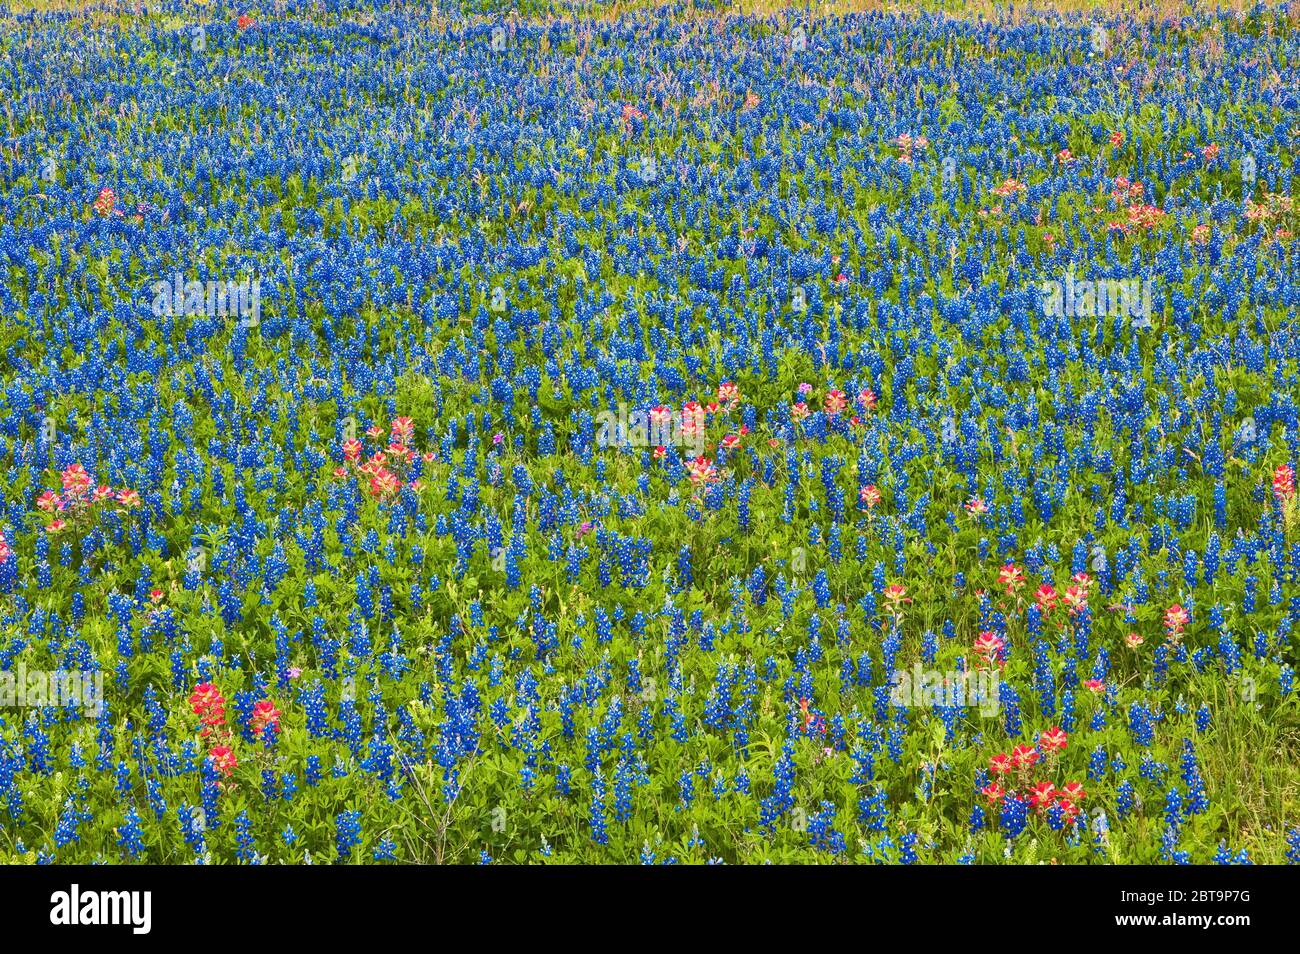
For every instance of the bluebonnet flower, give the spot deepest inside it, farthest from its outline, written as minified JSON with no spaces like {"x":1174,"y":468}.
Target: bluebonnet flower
{"x":129,"y":835}
{"x":246,"y":850}
{"x":347,"y":832}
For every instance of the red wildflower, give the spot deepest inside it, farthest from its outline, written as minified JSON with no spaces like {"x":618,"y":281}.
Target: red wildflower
{"x":106,"y":202}
{"x":75,"y":480}
{"x":401,"y":430}
{"x":1073,"y":791}
{"x":1284,"y":482}
{"x":1043,"y":794}
{"x":223,"y":759}
{"x":701,"y":470}
{"x":988,"y":645}
{"x":265,"y":715}
{"x":1012,"y":577}
{"x":209,"y":705}
{"x":1024,"y":756}
{"x":1053,"y":740}
{"x":1176,"y":619}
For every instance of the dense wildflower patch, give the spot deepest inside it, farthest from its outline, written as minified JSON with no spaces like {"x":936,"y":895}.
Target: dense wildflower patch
{"x":648,"y":435}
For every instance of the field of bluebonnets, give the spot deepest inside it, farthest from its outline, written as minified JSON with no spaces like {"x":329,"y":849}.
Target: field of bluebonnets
{"x":660,"y":434}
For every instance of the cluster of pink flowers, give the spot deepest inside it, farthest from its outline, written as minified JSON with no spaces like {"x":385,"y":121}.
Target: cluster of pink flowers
{"x":1274,"y":206}
{"x":906,"y":144}
{"x":833,"y":403}
{"x":1141,"y":217}
{"x":106,"y":202}
{"x":1009,"y":187}
{"x":1126,"y":191}
{"x":694,"y":421}
{"x":208,"y":703}
{"x":384,"y":470}
{"x":1042,"y":795}
{"x":78,"y":499}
